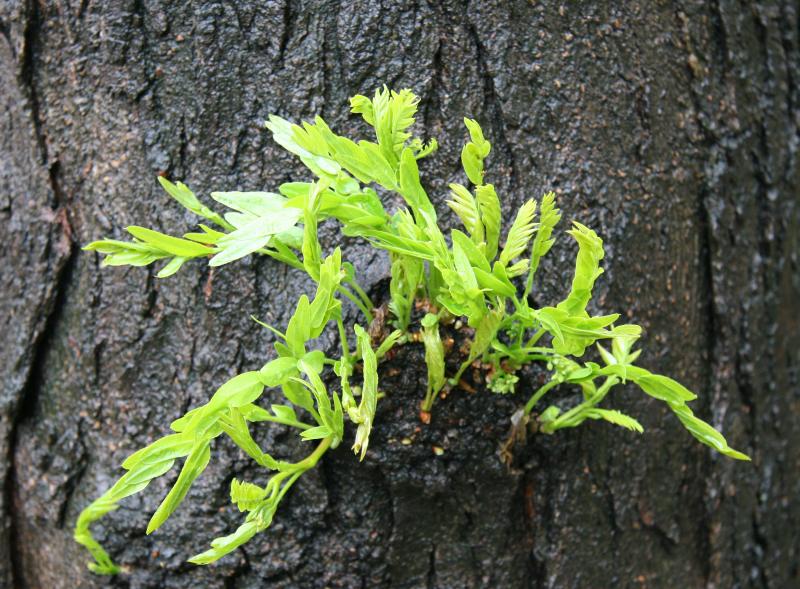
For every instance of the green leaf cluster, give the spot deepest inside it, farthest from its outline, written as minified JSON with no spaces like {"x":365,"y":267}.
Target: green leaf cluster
{"x":470,"y":275}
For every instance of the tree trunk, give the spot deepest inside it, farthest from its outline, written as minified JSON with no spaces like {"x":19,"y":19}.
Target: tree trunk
{"x":671,"y":129}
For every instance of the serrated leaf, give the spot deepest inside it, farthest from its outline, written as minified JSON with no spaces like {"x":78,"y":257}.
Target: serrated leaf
{"x":246,"y":496}
{"x":465,"y":206}
{"x":615,"y":417}
{"x":520,"y":233}
{"x":549,"y":216}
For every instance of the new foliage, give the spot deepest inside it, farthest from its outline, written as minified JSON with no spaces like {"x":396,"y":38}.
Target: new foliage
{"x":475,"y":274}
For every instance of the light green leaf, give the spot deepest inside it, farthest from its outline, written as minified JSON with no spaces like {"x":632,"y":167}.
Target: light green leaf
{"x":549,"y":216}
{"x":195,"y":464}
{"x":227,"y":544}
{"x":474,"y":152}
{"x":240,"y":390}
{"x":246,"y":496}
{"x":489,"y":208}
{"x":587,"y":269}
{"x":171,"y":245}
{"x":276,"y":372}
{"x":180,"y":192}
{"x":705,"y":433}
{"x":369,"y":393}
{"x":413,"y":193}
{"x":615,"y":417}
{"x":520,"y":233}
{"x":316,"y":433}
{"x":173,"y":266}
{"x":465,"y":206}
{"x":388,"y":343}
{"x":434,"y":357}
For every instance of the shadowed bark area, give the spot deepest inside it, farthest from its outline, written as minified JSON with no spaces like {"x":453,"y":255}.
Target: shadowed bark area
{"x":670,"y":128}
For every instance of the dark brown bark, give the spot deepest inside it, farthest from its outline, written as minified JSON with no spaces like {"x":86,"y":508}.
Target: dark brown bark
{"x":672,"y":129}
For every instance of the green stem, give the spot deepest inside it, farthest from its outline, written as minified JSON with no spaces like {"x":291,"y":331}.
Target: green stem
{"x":535,"y":337}
{"x":457,"y":377}
{"x":356,"y":301}
{"x":343,"y":340}
{"x":311,"y":460}
{"x":430,"y":397}
{"x":538,"y":395}
{"x":360,"y":292}
{"x":281,"y":258}
{"x":564,"y":420}
{"x":297,"y":424}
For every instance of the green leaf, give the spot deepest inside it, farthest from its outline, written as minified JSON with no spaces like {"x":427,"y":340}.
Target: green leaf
{"x":235,"y":426}
{"x":388,"y":343}
{"x":489,"y":208}
{"x":465,"y":206}
{"x":240,"y":390}
{"x":312,"y":251}
{"x":413,"y":193}
{"x":369,"y":393}
{"x":549,"y":216}
{"x":186,"y":197}
{"x":573,"y":334}
{"x":434,"y":357}
{"x":298,"y":332}
{"x":227,"y":544}
{"x":246,"y":496}
{"x":254,"y":235}
{"x":390,"y":113}
{"x":485,"y":333}
{"x":474,"y":152}
{"x":615,"y":417}
{"x":657,"y":386}
{"x":171,"y":245}
{"x":284,"y":412}
{"x":520,"y":233}
{"x":316,"y":433}
{"x":474,"y":255}
{"x":495,"y":285}
{"x":705,"y":433}
{"x":587,"y":269}
{"x":195,"y":464}
{"x":277,"y":372}
{"x":165,"y":449}
{"x":257,"y":204}
{"x":173,"y":266}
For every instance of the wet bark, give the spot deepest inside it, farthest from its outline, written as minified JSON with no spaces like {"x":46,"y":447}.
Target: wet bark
{"x":670,"y":128}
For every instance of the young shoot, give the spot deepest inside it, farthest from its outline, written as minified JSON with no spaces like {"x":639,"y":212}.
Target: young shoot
{"x":479,"y":276}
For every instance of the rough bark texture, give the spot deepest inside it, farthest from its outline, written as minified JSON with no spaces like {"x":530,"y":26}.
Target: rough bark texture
{"x":671,"y":128}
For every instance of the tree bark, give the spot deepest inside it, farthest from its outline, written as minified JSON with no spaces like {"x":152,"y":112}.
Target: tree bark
{"x":670,"y":128}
